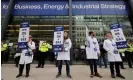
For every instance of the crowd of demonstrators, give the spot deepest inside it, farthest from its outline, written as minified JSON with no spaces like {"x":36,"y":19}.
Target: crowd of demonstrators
{"x":94,"y":52}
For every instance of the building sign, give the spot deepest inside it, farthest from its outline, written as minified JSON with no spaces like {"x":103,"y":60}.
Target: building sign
{"x":23,"y":35}
{"x":58,"y":39}
{"x":62,"y":7}
{"x":118,"y":36}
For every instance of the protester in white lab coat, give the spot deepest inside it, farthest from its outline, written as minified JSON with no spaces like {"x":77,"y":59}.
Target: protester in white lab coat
{"x":113,"y":55}
{"x":26,"y":58}
{"x":64,"y":55}
{"x":92,"y":52}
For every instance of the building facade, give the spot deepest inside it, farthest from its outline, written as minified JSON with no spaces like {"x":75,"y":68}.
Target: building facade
{"x":45,"y":15}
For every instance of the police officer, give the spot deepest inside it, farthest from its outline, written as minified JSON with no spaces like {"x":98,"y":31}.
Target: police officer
{"x":26,"y":58}
{"x":113,"y":55}
{"x":92,"y":52}
{"x":44,"y":47}
{"x":64,"y":55}
{"x":3,"y":50}
{"x":129,"y":53}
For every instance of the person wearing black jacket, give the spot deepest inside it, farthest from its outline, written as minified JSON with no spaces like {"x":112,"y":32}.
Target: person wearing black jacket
{"x":17,"y":56}
{"x":103,"y":56}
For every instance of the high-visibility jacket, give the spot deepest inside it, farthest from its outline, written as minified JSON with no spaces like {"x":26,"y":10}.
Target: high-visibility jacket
{"x":44,"y":47}
{"x":122,"y":50}
{"x":130,"y":49}
{"x":4,"y":47}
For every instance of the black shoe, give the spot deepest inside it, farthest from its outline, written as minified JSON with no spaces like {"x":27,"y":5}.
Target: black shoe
{"x":38,"y":67}
{"x":68,"y":75}
{"x":27,"y":75}
{"x":42,"y":67}
{"x":56,"y":65}
{"x":91,"y":75}
{"x":106,"y":67}
{"x":98,"y":75}
{"x":123,"y":68}
{"x":16,"y":65}
{"x":130,"y":67}
{"x":120,"y":76}
{"x":58,"y":75}
{"x":112,"y":75}
{"x":19,"y":75}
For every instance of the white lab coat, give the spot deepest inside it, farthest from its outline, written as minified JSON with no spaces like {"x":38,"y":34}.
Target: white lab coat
{"x":27,"y":59}
{"x":65,"y":54}
{"x":110,"y":47}
{"x":92,"y":47}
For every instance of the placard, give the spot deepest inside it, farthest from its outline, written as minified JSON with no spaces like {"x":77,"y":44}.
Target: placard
{"x":58,"y":39}
{"x":23,"y":35}
{"x":118,"y":35}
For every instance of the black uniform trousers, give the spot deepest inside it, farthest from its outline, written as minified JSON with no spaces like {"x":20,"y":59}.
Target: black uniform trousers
{"x":93,"y":65}
{"x":104,"y":60}
{"x":2,"y":56}
{"x":17,"y":60}
{"x":117,"y":68}
{"x":129,"y":57}
{"x":42,"y":58}
{"x":121,"y":64}
{"x":21,"y":67}
{"x":67,"y":66}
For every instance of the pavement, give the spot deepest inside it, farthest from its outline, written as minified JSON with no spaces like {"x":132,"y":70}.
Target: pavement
{"x":78,"y":72}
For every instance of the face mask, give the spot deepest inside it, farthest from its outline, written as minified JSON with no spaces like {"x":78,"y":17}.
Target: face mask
{"x":93,"y":35}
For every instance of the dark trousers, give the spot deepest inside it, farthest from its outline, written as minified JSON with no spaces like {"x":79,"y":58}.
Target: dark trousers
{"x":22,"y":67}
{"x":56,"y":62}
{"x":2,"y":56}
{"x":129,"y":57}
{"x":93,"y":65}
{"x":117,"y":68}
{"x":17,"y":60}
{"x":102,"y":57}
{"x":60,"y":66}
{"x":42,"y":57}
{"x":121,"y":63}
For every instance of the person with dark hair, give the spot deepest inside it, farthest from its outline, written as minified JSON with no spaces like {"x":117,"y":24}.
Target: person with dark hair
{"x":102,"y":56}
{"x":113,"y":55}
{"x":92,"y":52}
{"x":64,"y":55}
